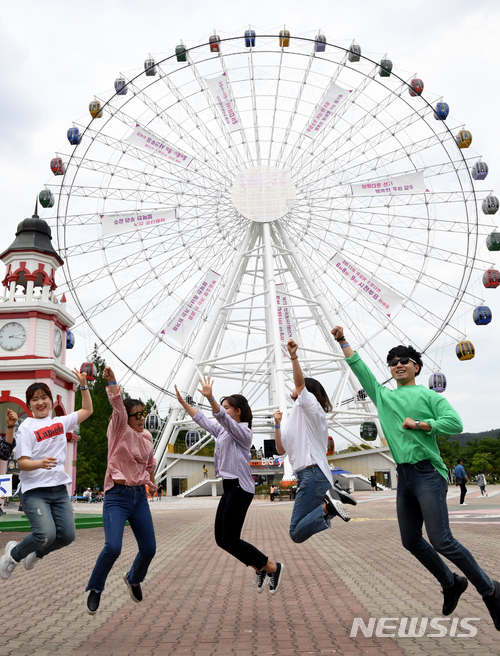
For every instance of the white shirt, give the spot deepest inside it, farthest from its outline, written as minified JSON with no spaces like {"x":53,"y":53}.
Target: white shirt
{"x":305,"y":435}
{"x":44,"y":438}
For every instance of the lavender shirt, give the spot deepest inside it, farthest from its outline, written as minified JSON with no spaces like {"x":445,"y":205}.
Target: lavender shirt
{"x":232,"y":447}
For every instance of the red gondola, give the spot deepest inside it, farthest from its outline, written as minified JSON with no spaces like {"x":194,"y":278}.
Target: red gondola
{"x":89,"y":369}
{"x":58,"y":166}
{"x":214,"y":41}
{"x":331,"y":446}
{"x":491,"y":278}
{"x":416,"y":87}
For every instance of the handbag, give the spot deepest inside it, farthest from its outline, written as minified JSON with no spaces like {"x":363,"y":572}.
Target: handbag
{"x":460,"y":481}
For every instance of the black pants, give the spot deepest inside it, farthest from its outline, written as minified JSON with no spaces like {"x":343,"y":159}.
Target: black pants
{"x":231,"y":513}
{"x":463,"y":491}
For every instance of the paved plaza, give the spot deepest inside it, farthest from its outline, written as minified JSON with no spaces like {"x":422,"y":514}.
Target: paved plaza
{"x":199,"y":601}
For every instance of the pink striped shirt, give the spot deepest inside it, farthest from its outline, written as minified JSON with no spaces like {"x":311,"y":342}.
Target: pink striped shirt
{"x":130,"y":453}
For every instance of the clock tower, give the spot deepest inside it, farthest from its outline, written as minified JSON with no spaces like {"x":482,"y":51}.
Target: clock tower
{"x":33,"y":328}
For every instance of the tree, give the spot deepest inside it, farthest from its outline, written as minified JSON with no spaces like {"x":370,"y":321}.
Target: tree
{"x":481,"y":462}
{"x":92,"y":453}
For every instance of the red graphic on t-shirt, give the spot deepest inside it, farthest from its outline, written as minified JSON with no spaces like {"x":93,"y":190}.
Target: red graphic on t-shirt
{"x":49,"y":431}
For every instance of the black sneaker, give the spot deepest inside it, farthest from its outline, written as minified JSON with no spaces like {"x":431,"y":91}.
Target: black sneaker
{"x":275,"y":579}
{"x":343,"y":496}
{"x":261,"y":580}
{"x":93,"y":601}
{"x":134,"y":590}
{"x":452,"y":594}
{"x":335,"y":507}
{"x":493,"y":605}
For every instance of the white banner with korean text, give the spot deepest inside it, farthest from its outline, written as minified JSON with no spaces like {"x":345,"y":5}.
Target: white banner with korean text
{"x":331,"y":101}
{"x":383,"y":297}
{"x":116,"y":224}
{"x":410,"y":183}
{"x":219,"y":89}
{"x":285,"y":317}
{"x":154,"y":145}
{"x":188,"y":314}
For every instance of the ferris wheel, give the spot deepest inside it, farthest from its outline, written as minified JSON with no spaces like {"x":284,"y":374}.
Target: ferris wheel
{"x":248,"y":189}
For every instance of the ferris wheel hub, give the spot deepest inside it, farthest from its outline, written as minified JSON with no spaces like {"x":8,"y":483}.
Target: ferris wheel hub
{"x":263,"y":193}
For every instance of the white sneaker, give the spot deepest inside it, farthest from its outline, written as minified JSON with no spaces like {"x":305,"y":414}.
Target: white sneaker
{"x":7,"y":563}
{"x":31,"y":561}
{"x":463,"y":504}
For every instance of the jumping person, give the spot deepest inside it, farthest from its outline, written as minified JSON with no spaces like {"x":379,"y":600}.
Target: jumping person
{"x":231,"y":460}
{"x":461,"y":478}
{"x":41,"y":456}
{"x":305,"y":441}
{"x":130,"y":470}
{"x":411,"y":416}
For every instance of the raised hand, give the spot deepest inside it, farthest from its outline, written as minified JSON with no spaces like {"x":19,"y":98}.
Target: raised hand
{"x":11,"y":418}
{"x":278,"y":416}
{"x":206,"y":387}
{"x":292,"y":347}
{"x":337,"y":331}
{"x":82,"y":378}
{"x":108,"y":374}
{"x":179,"y":397}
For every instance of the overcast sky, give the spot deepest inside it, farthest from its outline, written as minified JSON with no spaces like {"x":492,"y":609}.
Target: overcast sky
{"x":56,"y":55}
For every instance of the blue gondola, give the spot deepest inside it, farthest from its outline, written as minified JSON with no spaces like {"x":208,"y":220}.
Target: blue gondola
{"x":121,"y":86}
{"x":479,"y":170}
{"x":70,"y":339}
{"x":320,"y":43}
{"x":250,"y":38}
{"x":482,"y":315}
{"x":441,"y":112}
{"x":150,"y":67}
{"x":74,"y":136}
{"x":437,"y":382}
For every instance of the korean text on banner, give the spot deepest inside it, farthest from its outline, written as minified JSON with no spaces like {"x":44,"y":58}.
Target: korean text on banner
{"x":116,"y":224}
{"x":331,"y":101}
{"x":188,"y":314}
{"x":219,"y":89}
{"x":5,"y":485}
{"x":410,"y":183}
{"x":155,"y":145}
{"x":383,"y":297}
{"x":284,"y":314}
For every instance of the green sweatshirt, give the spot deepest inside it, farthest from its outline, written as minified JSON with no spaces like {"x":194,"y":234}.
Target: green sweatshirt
{"x":414,"y":401}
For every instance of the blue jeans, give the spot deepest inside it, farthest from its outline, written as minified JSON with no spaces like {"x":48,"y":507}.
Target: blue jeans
{"x":122,"y":503}
{"x":308,"y":517}
{"x":50,"y":514}
{"x":421,"y":497}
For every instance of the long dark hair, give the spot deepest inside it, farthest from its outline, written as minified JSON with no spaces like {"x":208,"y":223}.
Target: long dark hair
{"x":316,"y":388}
{"x":240,"y":403}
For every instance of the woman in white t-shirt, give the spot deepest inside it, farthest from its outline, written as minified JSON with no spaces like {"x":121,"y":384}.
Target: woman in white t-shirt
{"x":41,"y":456}
{"x":305,"y":441}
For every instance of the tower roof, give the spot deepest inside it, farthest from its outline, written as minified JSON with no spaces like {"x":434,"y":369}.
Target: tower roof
{"x":33,"y":235}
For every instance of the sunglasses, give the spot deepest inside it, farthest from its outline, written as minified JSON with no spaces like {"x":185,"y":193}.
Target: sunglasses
{"x":396,"y":361}
{"x":139,"y":415}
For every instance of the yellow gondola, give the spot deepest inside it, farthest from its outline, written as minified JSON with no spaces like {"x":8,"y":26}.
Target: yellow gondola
{"x":465,"y":350}
{"x":284,"y":39}
{"x":95,"y":109}
{"x":463,"y":139}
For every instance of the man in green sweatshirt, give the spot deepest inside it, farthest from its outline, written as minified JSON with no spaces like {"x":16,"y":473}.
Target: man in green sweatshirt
{"x":411,"y":416}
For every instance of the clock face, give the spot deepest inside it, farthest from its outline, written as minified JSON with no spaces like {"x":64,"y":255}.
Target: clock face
{"x":12,"y":336}
{"x":57,"y":343}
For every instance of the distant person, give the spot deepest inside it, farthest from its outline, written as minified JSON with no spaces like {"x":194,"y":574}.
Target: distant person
{"x":460,"y":479}
{"x":272,"y":492}
{"x":159,"y":492}
{"x":481,"y":481}
{"x":87,"y":495}
{"x":373,"y":483}
{"x":7,"y":445}
{"x":205,"y":472}
{"x":411,"y":416}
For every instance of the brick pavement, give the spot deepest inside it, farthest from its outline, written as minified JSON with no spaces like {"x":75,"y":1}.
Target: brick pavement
{"x":200,"y":601}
